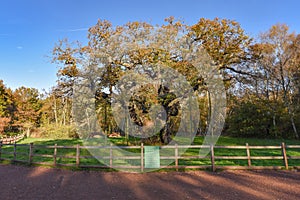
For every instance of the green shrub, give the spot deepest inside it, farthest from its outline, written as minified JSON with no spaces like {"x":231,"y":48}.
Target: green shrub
{"x":56,"y":132}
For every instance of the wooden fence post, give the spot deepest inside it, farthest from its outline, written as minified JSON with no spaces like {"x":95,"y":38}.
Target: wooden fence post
{"x":30,"y":153}
{"x":248,"y":154}
{"x":0,"y":149}
{"x":286,"y":164}
{"x":142,"y":157}
{"x":55,"y":154}
{"x":176,"y":156}
{"x":212,"y":158}
{"x":110,"y":156}
{"x":15,"y":151}
{"x":77,"y":155}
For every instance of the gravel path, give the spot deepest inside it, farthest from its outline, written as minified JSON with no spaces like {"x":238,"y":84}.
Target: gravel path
{"x":21,"y":182}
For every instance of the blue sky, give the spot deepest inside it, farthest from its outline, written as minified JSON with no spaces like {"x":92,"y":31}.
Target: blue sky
{"x":30,"y":28}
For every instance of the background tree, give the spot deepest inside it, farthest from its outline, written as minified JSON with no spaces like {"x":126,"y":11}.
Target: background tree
{"x":276,"y":69}
{"x":28,"y":107}
{"x":7,"y":108}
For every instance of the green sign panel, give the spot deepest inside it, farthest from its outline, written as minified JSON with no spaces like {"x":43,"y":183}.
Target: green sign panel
{"x":152,"y":158}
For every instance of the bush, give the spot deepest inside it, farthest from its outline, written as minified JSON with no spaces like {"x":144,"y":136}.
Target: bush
{"x":56,"y":132}
{"x":248,"y":120}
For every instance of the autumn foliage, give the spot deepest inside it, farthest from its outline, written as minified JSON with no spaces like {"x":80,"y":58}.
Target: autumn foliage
{"x":261,"y":76}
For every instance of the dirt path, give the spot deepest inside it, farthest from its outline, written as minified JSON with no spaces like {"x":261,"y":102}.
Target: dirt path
{"x":20,"y":182}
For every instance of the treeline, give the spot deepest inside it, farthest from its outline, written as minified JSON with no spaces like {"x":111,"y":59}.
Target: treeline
{"x":261,"y":77}
{"x":28,"y":110}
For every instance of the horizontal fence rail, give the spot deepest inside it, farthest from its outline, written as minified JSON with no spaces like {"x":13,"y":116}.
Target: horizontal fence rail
{"x":78,"y":156}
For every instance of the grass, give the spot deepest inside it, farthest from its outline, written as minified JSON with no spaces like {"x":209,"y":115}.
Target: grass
{"x":223,"y":141}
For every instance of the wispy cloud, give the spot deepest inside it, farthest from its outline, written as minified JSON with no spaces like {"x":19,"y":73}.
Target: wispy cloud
{"x":73,"y":30}
{"x":19,"y":47}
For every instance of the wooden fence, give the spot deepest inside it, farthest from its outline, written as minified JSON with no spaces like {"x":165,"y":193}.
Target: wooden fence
{"x":212,"y":157}
{"x":12,"y":139}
